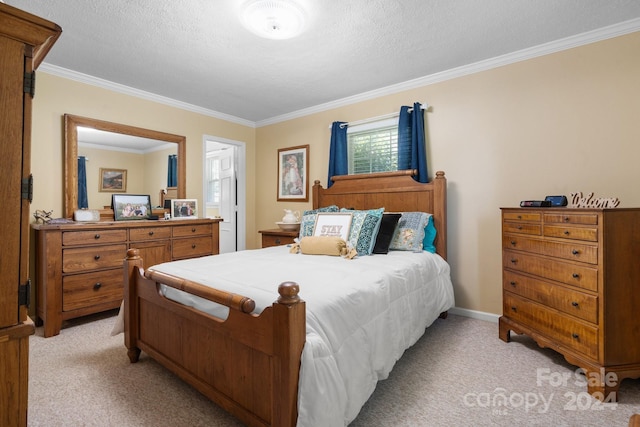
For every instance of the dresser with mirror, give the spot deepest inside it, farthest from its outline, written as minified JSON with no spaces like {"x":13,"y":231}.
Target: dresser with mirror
{"x":79,"y":264}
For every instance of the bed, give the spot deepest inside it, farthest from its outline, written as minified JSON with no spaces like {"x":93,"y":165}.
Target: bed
{"x":272,"y":359}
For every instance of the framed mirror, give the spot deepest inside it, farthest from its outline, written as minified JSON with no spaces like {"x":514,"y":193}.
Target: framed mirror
{"x":75,"y":125}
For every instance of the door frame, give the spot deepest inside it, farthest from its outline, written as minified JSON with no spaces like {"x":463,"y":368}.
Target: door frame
{"x":241,"y":176}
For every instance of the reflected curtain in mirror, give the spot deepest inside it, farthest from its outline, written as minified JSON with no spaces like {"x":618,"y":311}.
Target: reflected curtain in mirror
{"x":172,"y":171}
{"x":338,"y":153}
{"x":412,"y":152}
{"x":83,"y":199}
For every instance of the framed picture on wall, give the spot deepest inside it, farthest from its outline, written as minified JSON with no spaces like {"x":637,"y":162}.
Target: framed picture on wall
{"x":113,"y":180}
{"x":128,"y":207}
{"x":184,"y":208}
{"x":293,"y":173}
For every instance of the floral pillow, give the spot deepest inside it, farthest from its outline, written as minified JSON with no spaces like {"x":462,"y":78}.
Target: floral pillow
{"x":409,"y":233}
{"x":364,"y":229}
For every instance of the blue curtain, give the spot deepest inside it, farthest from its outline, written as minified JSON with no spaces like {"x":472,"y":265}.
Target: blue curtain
{"x":412,"y":151}
{"x":172,"y":174}
{"x":83,"y":199}
{"x":338,"y":161}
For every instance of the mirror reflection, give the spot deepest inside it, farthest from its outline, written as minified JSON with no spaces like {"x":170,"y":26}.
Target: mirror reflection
{"x":118,"y":159}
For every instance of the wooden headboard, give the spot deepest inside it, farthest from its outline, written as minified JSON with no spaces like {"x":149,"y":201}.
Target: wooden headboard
{"x":395,"y":191}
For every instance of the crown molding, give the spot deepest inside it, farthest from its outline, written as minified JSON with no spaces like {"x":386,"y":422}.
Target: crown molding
{"x":127,"y":90}
{"x":600,"y":34}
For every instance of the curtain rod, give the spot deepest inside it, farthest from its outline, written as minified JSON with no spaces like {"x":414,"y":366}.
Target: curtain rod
{"x":378,"y":118}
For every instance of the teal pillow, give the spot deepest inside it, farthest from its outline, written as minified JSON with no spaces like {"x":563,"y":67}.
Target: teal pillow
{"x":428,"y":243}
{"x":410,"y":232}
{"x":308,"y":221}
{"x":364,"y":229}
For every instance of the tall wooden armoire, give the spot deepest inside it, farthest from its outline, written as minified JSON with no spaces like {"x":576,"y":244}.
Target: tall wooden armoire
{"x":24,"y":41}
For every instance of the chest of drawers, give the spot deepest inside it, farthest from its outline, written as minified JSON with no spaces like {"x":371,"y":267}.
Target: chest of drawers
{"x":79,"y":267}
{"x":571,"y":281}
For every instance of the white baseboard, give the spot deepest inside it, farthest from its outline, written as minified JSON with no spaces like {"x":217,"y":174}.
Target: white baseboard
{"x":480,"y":315}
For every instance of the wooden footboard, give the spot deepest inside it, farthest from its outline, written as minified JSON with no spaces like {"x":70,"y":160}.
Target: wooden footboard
{"x":248,"y":364}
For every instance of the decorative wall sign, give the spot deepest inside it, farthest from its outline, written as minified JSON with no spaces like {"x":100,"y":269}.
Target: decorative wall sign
{"x":588,"y":201}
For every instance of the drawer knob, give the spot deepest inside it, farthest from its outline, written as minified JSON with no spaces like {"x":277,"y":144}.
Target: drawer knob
{"x":193,"y":230}
{"x":97,"y":236}
{"x":566,"y":219}
{"x":97,"y":286}
{"x":277,"y":241}
{"x":519,"y":216}
{"x":575,"y":275}
{"x":151,"y":233}
{"x":566,"y":232}
{"x":513,"y":243}
{"x":575,"y":252}
{"x":514,"y":308}
{"x":193,"y":246}
{"x":575,"y":336}
{"x":514,"y":261}
{"x":519,"y":227}
{"x":512,"y":283}
{"x":574,"y":303}
{"x":97,"y":257}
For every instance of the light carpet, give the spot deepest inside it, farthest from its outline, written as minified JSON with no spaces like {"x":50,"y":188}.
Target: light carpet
{"x":458,"y":374}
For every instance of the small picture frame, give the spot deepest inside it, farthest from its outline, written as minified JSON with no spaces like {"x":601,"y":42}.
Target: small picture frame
{"x":131,"y":207}
{"x":293,"y":174}
{"x":184,"y":208}
{"x":113,"y":180}
{"x":333,"y":224}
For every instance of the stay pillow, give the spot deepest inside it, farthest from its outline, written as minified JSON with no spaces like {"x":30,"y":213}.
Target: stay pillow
{"x":308,"y":221}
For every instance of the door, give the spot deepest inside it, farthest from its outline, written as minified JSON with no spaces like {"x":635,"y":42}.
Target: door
{"x":225,"y":189}
{"x":228,"y":201}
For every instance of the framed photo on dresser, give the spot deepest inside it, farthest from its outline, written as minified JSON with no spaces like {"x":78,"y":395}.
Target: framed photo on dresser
{"x":128,"y":207}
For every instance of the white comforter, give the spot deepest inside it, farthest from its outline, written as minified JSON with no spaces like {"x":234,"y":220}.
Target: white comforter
{"x":361,"y":314}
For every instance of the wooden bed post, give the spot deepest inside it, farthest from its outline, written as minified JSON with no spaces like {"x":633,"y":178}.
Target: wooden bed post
{"x":131,"y":326}
{"x":289,"y":314}
{"x":440,"y":213}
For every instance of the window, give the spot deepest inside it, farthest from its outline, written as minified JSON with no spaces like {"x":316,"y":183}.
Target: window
{"x":212,"y":170}
{"x":373,"y":147}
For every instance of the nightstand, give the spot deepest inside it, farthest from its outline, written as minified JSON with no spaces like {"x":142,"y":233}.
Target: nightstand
{"x":276,"y":237}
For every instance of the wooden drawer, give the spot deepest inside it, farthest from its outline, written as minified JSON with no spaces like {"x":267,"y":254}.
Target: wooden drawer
{"x":576,"y":233}
{"x":521,"y":216}
{"x":561,"y":328}
{"x":192,"y":230}
{"x":569,"y":250}
{"x":92,"y":237}
{"x":578,"y":275}
{"x":89,"y":289}
{"x":92,"y":258}
{"x":149,"y":233}
{"x":521,"y":227}
{"x":573,"y":302}
{"x":275,"y":240}
{"x":187,"y":248}
{"x":571,"y":218}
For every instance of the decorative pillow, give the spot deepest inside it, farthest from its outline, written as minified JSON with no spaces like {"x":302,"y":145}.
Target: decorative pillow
{"x":428,"y":243}
{"x":364,"y":229}
{"x":309,"y":219}
{"x":409,"y":233}
{"x":385,"y":232}
{"x":323,"y":245}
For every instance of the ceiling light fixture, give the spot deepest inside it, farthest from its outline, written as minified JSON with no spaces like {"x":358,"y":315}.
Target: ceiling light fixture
{"x":273,"y":19}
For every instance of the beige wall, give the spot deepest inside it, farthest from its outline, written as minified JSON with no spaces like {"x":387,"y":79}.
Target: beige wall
{"x":56,"y":96}
{"x":557,"y":124}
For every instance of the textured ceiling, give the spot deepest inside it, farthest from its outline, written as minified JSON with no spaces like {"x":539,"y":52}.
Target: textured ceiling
{"x":197,"y":52}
